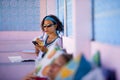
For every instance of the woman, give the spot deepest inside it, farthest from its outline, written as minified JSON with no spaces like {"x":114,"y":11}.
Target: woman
{"x":51,"y":27}
{"x":52,"y":69}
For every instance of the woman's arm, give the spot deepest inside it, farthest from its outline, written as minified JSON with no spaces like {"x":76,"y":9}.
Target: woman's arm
{"x":37,"y":50}
{"x":30,"y":76}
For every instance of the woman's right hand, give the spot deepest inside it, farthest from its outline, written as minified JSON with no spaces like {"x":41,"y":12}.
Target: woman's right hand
{"x":40,"y":46}
{"x":40,"y":42}
{"x":30,"y":76}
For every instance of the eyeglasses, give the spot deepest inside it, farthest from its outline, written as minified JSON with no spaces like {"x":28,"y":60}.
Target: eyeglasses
{"x":48,"y":25}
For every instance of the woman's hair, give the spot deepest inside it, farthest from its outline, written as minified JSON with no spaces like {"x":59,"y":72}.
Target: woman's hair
{"x":55,"y":20}
{"x":67,"y":57}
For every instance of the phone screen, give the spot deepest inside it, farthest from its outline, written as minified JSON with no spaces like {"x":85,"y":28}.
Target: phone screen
{"x":34,"y":42}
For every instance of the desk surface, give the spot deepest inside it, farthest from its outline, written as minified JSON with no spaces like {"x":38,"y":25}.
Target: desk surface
{"x":25,"y":55}
{"x":15,"y":71}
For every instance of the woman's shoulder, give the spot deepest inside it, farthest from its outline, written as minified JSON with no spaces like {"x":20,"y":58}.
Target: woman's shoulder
{"x":59,"y":41}
{"x":59,"y":38}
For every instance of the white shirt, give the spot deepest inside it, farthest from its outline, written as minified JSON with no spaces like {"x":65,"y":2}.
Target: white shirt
{"x":57,"y":41}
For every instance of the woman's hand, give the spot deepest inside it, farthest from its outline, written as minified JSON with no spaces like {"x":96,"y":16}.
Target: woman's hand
{"x":41,"y":48}
{"x":40,"y":42}
{"x":40,"y":45}
{"x":30,"y":76}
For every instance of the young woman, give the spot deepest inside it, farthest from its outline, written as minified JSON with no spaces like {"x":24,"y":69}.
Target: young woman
{"x":51,"y":27}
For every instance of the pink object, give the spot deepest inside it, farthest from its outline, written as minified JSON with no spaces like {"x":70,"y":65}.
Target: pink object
{"x":39,"y":78}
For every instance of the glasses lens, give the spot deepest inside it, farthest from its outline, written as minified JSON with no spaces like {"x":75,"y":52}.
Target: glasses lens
{"x":49,"y":25}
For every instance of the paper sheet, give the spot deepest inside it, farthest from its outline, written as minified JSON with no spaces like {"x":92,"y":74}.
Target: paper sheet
{"x":15,"y":58}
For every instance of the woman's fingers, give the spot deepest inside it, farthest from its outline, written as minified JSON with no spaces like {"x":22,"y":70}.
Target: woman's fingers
{"x":30,"y":77}
{"x":40,"y":42}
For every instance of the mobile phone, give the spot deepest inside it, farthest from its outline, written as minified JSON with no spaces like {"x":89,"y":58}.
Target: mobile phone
{"x":34,"y":42}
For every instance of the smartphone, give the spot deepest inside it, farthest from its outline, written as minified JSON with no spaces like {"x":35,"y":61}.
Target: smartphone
{"x":35,"y":43}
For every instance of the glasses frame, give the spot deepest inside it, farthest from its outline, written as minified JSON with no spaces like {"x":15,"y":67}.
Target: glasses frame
{"x":48,"y":25}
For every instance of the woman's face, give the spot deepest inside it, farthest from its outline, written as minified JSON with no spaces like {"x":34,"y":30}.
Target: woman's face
{"x":56,"y":66}
{"x":49,"y":27}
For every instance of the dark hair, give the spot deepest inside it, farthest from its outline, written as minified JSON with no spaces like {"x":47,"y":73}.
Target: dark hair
{"x":67,"y":57}
{"x":57,"y":21}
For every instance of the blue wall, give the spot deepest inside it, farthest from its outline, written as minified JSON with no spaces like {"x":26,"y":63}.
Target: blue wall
{"x":60,"y":10}
{"x":107,"y":21}
{"x":69,"y":18}
{"x":19,"y":15}
{"x":60,"y":13}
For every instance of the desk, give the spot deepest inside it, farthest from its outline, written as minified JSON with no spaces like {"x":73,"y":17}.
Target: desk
{"x":15,"y":71}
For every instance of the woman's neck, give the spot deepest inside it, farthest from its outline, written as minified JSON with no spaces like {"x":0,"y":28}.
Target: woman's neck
{"x":52,"y":36}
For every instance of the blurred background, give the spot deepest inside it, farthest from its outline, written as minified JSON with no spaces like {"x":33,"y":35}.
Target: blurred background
{"x":89,"y":25}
